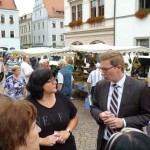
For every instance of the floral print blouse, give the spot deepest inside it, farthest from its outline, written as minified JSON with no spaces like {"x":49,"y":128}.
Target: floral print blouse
{"x":14,"y":87}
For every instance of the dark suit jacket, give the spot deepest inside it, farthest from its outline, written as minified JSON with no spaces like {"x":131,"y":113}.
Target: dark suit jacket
{"x":134,"y":107}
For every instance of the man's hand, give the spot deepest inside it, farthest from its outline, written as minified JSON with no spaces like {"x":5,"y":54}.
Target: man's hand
{"x":106,"y":115}
{"x":114,"y":123}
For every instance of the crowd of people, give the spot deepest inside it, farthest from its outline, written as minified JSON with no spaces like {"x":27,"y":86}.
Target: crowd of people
{"x":36,"y":111}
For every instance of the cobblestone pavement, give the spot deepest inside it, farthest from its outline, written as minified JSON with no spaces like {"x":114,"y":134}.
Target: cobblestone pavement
{"x":86,"y":131}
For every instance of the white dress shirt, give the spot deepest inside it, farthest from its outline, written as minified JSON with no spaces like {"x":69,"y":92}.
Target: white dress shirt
{"x":120,"y":91}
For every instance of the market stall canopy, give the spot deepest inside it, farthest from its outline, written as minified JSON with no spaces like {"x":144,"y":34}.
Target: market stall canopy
{"x":100,"y":48}
{"x":38,"y":51}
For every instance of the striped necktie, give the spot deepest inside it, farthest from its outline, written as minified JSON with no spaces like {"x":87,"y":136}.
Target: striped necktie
{"x":113,"y":107}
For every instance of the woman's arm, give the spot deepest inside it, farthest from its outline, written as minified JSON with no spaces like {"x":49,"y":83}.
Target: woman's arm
{"x":48,"y":140}
{"x":64,"y":134}
{"x":2,"y":90}
{"x":73,"y":123}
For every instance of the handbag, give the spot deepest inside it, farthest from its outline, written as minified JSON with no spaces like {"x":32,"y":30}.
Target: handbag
{"x":88,"y":102}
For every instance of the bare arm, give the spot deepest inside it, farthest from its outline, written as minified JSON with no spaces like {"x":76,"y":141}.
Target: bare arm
{"x":49,"y":140}
{"x":59,"y":87}
{"x":2,"y":90}
{"x":64,"y":134}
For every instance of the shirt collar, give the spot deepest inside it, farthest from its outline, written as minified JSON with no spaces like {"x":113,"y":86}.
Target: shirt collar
{"x":120,"y":83}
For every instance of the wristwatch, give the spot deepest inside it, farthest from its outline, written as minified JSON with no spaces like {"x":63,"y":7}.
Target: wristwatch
{"x":69,"y":131}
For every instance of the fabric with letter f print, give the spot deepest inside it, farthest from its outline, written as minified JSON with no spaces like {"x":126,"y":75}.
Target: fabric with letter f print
{"x":113,"y":107}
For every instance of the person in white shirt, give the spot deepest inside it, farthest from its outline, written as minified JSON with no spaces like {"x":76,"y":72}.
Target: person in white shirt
{"x":93,"y":78}
{"x":26,"y":69}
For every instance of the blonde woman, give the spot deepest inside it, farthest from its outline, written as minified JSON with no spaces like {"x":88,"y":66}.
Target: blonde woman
{"x":14,"y":86}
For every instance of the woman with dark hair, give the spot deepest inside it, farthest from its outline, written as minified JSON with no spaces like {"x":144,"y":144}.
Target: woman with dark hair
{"x":18,"y":129}
{"x":56,"y":114}
{"x":129,"y":139}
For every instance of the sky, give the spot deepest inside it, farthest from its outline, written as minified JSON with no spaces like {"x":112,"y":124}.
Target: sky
{"x":24,"y":6}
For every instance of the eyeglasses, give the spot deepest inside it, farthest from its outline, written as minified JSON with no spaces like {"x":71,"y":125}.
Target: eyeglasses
{"x":106,"y":69}
{"x":53,"y":80}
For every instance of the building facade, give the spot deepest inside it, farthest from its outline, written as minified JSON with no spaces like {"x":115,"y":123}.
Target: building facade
{"x":89,"y":32}
{"x":129,"y":29}
{"x":47,"y":23}
{"x":9,"y":25}
{"x":25,"y":31}
{"x":119,"y":27}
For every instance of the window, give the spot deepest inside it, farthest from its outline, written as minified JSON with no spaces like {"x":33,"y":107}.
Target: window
{"x":38,"y":25}
{"x":29,"y":38}
{"x":79,"y":11}
{"x":62,"y":37}
{"x":34,"y":39}
{"x":142,"y":42}
{"x":29,"y":27}
{"x":3,"y":34}
{"x":34,"y":27}
{"x":43,"y":24}
{"x":144,"y":4}
{"x":53,"y":24}
{"x":93,"y":8}
{"x":53,"y":37}
{"x":12,"y":34}
{"x":43,"y":38}
{"x":74,"y":13}
{"x":0,"y":3}
{"x":60,"y":12}
{"x":101,"y":7}
{"x":38,"y":38}
{"x":54,"y":45}
{"x":11,"y":19}
{"x":2,"y":19}
{"x":61,"y":24}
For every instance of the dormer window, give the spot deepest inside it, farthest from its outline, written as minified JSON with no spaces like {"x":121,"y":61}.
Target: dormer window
{"x":60,"y":12}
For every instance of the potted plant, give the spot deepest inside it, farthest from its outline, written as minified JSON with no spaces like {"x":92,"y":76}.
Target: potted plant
{"x":95,"y":19}
{"x":75,"y":23}
{"x":142,"y":13}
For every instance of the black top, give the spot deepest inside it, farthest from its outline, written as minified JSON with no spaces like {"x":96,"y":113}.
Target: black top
{"x":56,"y":118}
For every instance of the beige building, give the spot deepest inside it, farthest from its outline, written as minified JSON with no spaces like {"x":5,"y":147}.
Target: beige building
{"x":25,"y":31}
{"x":96,"y":19}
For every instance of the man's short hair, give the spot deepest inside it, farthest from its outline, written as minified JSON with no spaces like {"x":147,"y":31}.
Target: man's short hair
{"x":62,"y":62}
{"x":115,"y":58}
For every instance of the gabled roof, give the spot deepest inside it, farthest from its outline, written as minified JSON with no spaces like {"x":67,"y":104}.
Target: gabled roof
{"x":8,"y":4}
{"x":53,"y":7}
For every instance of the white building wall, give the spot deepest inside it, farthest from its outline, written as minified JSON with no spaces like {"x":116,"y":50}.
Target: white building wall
{"x":55,"y":31}
{"x":109,"y":9}
{"x":128,"y":27}
{"x":39,"y":16}
{"x":125,"y":7}
{"x":7,"y":27}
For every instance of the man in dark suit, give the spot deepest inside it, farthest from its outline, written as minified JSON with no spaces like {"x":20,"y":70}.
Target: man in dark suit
{"x":133,"y":99}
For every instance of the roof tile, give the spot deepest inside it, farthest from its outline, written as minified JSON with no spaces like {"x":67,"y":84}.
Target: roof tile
{"x":8,"y":4}
{"x":53,"y":7}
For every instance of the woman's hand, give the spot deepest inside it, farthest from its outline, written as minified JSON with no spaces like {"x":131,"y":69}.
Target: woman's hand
{"x":63,"y":136}
{"x":49,"y":140}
